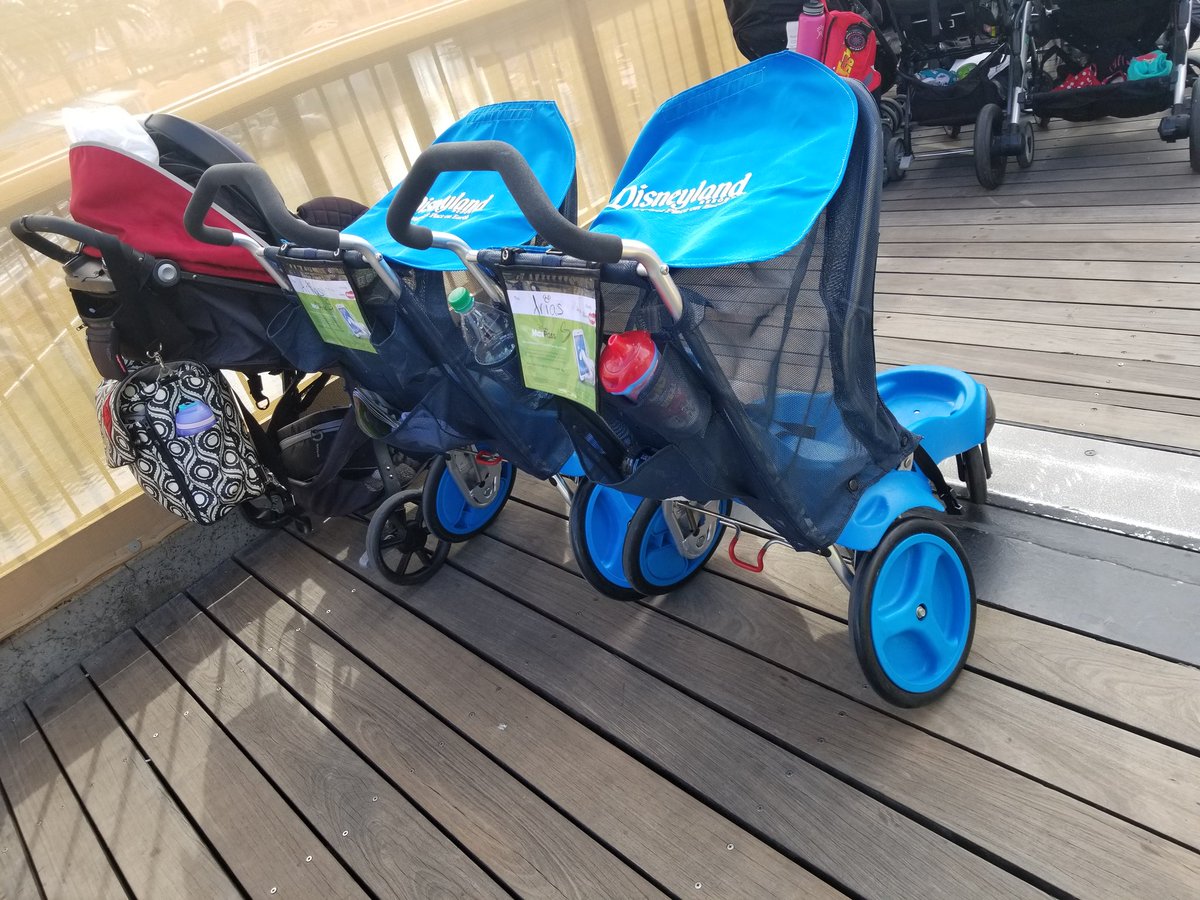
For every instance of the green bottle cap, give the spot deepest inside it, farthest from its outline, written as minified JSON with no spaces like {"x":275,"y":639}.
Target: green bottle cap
{"x":460,"y":300}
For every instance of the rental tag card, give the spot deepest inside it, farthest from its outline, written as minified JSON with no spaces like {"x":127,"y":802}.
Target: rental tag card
{"x":556,"y":338}
{"x":331,"y":304}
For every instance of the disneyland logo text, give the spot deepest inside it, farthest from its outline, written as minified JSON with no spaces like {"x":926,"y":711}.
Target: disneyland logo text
{"x":703,"y":196}
{"x":460,"y":205}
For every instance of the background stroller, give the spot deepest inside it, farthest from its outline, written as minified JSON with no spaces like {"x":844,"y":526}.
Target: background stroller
{"x":1101,"y":40}
{"x":766,"y":392}
{"x":937,"y":36}
{"x":144,"y":289}
{"x":415,"y":385}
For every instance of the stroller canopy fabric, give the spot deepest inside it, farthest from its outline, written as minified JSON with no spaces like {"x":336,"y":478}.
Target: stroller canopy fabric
{"x":476,"y":206}
{"x":739,"y":168}
{"x":143,"y":204}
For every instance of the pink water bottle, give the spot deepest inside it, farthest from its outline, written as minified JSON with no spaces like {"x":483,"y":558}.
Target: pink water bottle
{"x":810,"y":30}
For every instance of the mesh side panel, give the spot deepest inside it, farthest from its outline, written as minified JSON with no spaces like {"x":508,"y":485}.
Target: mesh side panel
{"x":785,"y":349}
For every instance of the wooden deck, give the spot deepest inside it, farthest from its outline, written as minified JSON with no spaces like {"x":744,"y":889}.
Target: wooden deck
{"x":292,"y":728}
{"x":1073,"y":291}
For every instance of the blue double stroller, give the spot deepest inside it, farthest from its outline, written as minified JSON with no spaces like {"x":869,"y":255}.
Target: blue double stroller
{"x":375,"y":313}
{"x":734,"y":264}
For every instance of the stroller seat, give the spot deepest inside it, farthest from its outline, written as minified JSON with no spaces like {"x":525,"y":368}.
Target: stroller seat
{"x":946,"y":407}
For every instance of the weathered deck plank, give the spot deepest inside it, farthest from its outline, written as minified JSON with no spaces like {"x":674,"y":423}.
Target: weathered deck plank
{"x":154,"y":845}
{"x":620,"y":800}
{"x":1152,"y":695}
{"x":69,"y":858}
{"x":967,"y":795}
{"x":1135,"y":777}
{"x":262,"y":841}
{"x":533,"y":849}
{"x":17,"y":878}
{"x":382,"y":837}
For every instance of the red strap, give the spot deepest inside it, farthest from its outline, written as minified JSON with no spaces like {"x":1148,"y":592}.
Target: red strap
{"x":755,"y":567}
{"x":488,"y":458}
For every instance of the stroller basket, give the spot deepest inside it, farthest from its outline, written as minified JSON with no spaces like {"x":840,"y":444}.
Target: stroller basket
{"x":958,"y":103}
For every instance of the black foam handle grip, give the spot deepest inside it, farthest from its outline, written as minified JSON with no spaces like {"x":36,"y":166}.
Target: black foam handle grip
{"x":493,"y":156}
{"x":252,"y":181}
{"x":29,"y":230}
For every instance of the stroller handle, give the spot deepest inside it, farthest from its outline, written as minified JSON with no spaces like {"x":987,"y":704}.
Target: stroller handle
{"x":29,"y":230}
{"x":506,"y":160}
{"x":253,"y":181}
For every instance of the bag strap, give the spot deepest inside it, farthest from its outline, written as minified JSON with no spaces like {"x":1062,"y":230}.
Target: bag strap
{"x":929,"y":468}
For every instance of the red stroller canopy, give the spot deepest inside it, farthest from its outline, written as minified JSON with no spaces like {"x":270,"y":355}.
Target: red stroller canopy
{"x":142,"y":205}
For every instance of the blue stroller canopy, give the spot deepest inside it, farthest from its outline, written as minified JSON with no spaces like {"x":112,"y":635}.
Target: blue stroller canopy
{"x":476,"y":206}
{"x":736,"y":169}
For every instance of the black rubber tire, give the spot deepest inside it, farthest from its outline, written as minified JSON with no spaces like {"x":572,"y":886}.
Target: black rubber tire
{"x":975,"y":475}
{"x":1194,"y":130}
{"x":437,"y":471}
{"x":859,"y":618}
{"x":638,"y":525}
{"x":893,"y":156}
{"x":1043,"y":123}
{"x":891,"y":114}
{"x":407,"y":533}
{"x":989,"y":166}
{"x":1025,"y":156}
{"x":583,"y":556}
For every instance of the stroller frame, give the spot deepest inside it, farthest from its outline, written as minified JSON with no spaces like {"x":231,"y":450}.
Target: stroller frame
{"x":1000,"y":134}
{"x":464,"y":488}
{"x":1182,"y":118}
{"x":860,"y":555}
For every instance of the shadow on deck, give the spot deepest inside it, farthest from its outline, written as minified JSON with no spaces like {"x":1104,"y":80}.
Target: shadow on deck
{"x":293,"y":727}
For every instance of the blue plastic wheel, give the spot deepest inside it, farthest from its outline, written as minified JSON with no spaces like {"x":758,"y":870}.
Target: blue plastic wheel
{"x":912,"y":612}
{"x":448,"y":513}
{"x":599,"y":519}
{"x":652,"y":558}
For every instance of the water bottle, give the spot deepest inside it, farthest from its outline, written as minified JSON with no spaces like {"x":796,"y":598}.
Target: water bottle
{"x":193,"y":418}
{"x":810,"y":30}
{"x":487,"y":330}
{"x":664,"y":393}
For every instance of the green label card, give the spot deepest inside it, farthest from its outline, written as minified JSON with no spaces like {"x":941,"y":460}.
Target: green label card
{"x":556,"y":337}
{"x":330,"y":302}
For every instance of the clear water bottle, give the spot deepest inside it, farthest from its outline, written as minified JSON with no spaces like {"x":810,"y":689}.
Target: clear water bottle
{"x":487,"y":330}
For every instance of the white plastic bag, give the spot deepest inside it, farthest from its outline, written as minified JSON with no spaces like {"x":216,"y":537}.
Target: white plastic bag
{"x":111,"y":126}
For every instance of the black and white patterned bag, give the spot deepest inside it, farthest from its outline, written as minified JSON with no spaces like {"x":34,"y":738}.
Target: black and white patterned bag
{"x":200,"y":476}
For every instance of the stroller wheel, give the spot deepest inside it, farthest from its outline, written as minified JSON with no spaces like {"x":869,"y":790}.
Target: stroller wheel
{"x":990,"y":166}
{"x":912,"y":612}
{"x":892,"y":114}
{"x":894,"y":158}
{"x":1043,"y":122}
{"x":1025,"y":154}
{"x":399,"y":545}
{"x":449,"y":514}
{"x":974,"y":473}
{"x":652,"y":557}
{"x":598,"y":523}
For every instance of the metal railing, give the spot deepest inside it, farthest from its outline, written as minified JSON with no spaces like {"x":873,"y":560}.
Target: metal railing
{"x":346,"y":117}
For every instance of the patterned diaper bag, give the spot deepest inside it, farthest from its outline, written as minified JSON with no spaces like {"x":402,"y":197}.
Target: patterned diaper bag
{"x":180,"y":430}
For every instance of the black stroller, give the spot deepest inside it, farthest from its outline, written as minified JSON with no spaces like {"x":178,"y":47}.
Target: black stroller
{"x":963,"y":63}
{"x":1122,"y":58}
{"x":145,"y":291}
